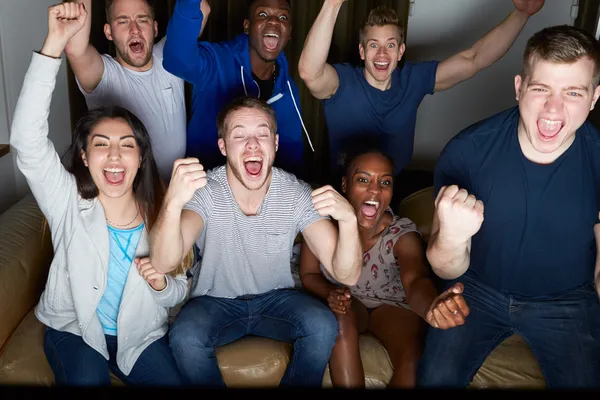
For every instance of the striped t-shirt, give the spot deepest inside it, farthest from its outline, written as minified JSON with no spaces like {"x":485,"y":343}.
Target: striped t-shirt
{"x":249,"y":254}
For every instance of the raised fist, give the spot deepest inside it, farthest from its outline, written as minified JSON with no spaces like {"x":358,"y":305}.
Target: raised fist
{"x":328,"y":202}
{"x":188,"y":175}
{"x":459,"y":213}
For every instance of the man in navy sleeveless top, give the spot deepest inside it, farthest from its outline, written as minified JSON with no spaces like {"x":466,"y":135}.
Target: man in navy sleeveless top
{"x":378,"y":102}
{"x":528,"y":267}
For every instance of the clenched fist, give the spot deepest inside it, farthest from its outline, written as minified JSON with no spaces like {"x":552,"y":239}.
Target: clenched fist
{"x":459,"y":213}
{"x":65,"y":20}
{"x":328,"y":202}
{"x":188,"y":176}
{"x":449,"y":309}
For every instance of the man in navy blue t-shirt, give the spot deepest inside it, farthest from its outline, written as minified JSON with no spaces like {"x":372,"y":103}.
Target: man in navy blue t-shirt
{"x":378,"y":102}
{"x":528,"y":267}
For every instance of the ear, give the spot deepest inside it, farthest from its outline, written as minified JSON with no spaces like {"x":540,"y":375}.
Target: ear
{"x":155,"y":29}
{"x":222,"y":147}
{"x":361,"y":51}
{"x":108,"y":32}
{"x":595,"y":98}
{"x":518,"y":83}
{"x":402,"y":50}
{"x":246,"y":26}
{"x":344,"y":184}
{"x":84,"y":158}
{"x":276,"y":142}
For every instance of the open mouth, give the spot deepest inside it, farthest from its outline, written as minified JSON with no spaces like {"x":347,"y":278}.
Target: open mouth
{"x":548,"y":128}
{"x":271,"y":41}
{"x":136,"y":46}
{"x":253,"y":165}
{"x":114,"y":176}
{"x":381,"y":65}
{"x":369,"y":208}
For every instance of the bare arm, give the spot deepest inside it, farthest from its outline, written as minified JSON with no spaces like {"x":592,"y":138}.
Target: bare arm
{"x":176,"y":229}
{"x":84,"y":59}
{"x":457,"y":217}
{"x":487,"y":50}
{"x":311,"y":276}
{"x":172,"y":237}
{"x":321,"y":78}
{"x":339,"y":250}
{"x":414,"y":273}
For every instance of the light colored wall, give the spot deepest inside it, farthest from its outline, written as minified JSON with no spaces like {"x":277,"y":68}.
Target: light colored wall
{"x":438,"y":29}
{"x":23,"y":27}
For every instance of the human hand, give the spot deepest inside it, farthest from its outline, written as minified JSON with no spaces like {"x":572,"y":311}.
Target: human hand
{"x":328,"y":202}
{"x":528,"y":7}
{"x":449,"y":309}
{"x":157,"y":280}
{"x":459,"y":213}
{"x":65,"y":20}
{"x":339,"y":300}
{"x":188,"y":176}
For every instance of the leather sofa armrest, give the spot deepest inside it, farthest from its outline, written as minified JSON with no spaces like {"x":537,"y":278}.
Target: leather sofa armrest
{"x":25,"y":256}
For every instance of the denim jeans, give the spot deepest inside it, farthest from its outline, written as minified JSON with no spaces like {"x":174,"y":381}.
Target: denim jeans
{"x":563,"y":334}
{"x":74,"y":363}
{"x":288,"y":315}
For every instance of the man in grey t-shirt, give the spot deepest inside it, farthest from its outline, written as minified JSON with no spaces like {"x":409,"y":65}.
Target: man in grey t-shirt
{"x":135,"y":79}
{"x":245,"y":216}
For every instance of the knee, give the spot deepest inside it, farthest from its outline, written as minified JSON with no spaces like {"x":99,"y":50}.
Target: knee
{"x":187,"y":332}
{"x":321,"y":321}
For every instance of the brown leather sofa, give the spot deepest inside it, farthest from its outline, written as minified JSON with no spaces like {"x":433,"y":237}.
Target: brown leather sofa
{"x":25,"y":255}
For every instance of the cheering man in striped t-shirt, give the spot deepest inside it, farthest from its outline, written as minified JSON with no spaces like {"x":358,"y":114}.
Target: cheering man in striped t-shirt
{"x":244,"y":216}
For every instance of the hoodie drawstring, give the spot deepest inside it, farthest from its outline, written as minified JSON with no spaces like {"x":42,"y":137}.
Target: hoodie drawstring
{"x":272,"y":100}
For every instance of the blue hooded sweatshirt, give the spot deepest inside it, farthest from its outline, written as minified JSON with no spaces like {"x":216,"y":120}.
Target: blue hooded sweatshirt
{"x":220,"y":72}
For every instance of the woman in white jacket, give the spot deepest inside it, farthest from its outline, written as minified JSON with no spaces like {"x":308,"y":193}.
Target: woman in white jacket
{"x":105,"y":307}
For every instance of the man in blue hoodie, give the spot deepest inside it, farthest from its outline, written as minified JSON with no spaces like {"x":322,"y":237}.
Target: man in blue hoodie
{"x":253,"y":64}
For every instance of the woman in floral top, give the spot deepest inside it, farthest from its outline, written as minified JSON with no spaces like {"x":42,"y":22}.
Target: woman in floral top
{"x":395,"y":297}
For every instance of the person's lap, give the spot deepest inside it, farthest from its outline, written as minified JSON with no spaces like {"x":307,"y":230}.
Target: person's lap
{"x":75,"y":363}
{"x":551,"y":327}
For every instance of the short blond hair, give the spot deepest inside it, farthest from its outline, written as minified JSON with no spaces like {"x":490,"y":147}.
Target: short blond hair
{"x":244,"y":102}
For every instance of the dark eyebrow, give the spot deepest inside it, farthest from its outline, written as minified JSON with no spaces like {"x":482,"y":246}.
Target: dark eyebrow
{"x":95,"y":135}
{"x":357,"y":172}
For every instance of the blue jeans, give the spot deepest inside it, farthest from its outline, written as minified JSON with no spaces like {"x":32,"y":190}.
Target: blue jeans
{"x":563,"y":334}
{"x":287,"y":315}
{"x":74,"y":363}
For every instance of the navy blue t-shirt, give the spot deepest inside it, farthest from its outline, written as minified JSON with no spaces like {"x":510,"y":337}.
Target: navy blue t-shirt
{"x":537,"y":237}
{"x":388,"y":118}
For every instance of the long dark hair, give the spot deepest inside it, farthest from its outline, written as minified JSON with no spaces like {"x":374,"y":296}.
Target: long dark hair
{"x":148,"y":187}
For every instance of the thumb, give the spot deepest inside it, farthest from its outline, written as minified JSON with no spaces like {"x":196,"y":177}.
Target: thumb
{"x":457,"y":288}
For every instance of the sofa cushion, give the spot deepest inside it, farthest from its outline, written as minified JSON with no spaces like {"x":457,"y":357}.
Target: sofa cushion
{"x":511,"y":364}
{"x":22,"y":360}
{"x":25,"y":255}
{"x":419,"y":207}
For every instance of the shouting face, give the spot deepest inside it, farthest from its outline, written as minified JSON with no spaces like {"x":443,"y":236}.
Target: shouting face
{"x":249,"y":144}
{"x":132,"y":29}
{"x":554,"y":101}
{"x":269,"y":27}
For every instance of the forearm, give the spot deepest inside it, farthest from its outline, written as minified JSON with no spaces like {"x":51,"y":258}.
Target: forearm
{"x":318,"y":41}
{"x":316,"y":284}
{"x":494,"y":45}
{"x":347,"y":257}
{"x":181,"y":51}
{"x":448,"y":260}
{"x":78,"y":45}
{"x":420,"y":295}
{"x":166,"y":240}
